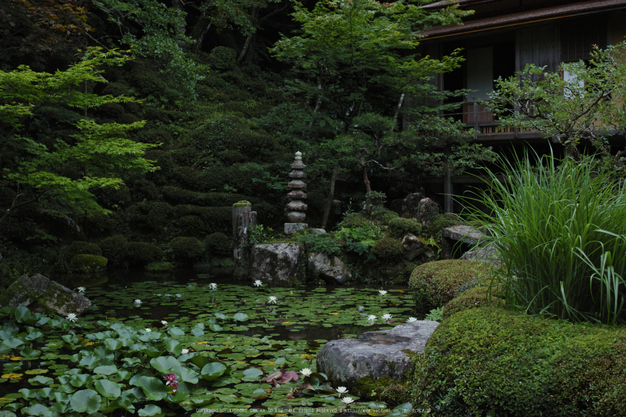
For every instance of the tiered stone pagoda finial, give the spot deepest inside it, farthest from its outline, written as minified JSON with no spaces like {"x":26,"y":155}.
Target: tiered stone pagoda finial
{"x":296,"y":207}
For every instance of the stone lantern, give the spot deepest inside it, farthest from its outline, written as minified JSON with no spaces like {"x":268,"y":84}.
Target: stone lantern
{"x":296,"y":207}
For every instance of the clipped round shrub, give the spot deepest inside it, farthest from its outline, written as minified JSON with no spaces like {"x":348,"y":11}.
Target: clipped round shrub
{"x":388,"y":248}
{"x":489,"y":361}
{"x":218,"y":244}
{"x":142,"y":253}
{"x":186,"y":248}
{"x":436,"y":283}
{"x":400,"y":226}
{"x":113,"y":249}
{"x":88,"y":263}
{"x":473,"y":298}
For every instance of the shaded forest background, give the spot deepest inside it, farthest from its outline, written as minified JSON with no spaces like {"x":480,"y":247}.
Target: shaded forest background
{"x":220,"y":112}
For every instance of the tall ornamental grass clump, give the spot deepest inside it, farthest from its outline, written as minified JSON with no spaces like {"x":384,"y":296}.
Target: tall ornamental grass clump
{"x":560,"y":229}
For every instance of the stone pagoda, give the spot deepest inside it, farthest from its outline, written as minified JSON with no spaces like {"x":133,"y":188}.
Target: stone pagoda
{"x":296,"y":207}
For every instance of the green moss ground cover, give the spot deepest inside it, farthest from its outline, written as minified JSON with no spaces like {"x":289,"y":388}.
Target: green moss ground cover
{"x":222,"y":344}
{"x":492,"y":362}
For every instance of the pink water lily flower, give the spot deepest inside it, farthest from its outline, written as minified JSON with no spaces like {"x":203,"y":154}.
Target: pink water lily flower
{"x":170,"y":379}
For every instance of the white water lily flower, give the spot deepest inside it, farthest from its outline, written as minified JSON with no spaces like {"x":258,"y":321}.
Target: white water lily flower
{"x":306,"y":372}
{"x":137,"y":301}
{"x":148,"y":330}
{"x":382,"y":292}
{"x":80,"y":289}
{"x":411,"y":320}
{"x":386,"y":316}
{"x":213,"y":286}
{"x":184,"y":351}
{"x":164,"y":322}
{"x":272,"y":299}
{"x":258,"y":283}
{"x":371,"y":317}
{"x":347,"y":400}
{"x":71,"y":317}
{"x":342,"y":390}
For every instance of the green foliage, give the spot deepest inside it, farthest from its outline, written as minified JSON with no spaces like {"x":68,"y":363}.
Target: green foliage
{"x":218,"y":244}
{"x":186,"y":248}
{"x":400,"y":226}
{"x":436,"y":314}
{"x":488,"y":361}
{"x":84,"y":263}
{"x":355,"y":67}
{"x":436,"y":283}
{"x":582,"y":108}
{"x":61,"y":171}
{"x":142,"y":253}
{"x":320,"y":243}
{"x":160,"y":267}
{"x":162,"y":33}
{"x":558,"y":228}
{"x":360,"y":239}
{"x":113,"y":249}
{"x":260,"y":234}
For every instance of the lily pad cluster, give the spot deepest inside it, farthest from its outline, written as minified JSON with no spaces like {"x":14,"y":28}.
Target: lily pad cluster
{"x":189,"y":349}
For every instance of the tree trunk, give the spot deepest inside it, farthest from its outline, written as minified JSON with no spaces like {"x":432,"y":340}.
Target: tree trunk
{"x":331,"y":196}
{"x":366,"y":180}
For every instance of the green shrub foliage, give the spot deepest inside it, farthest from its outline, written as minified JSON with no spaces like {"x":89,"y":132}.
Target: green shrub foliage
{"x":476,"y":297}
{"x":142,"y":253}
{"x":186,"y":248}
{"x":401,"y":226}
{"x":492,"y":362}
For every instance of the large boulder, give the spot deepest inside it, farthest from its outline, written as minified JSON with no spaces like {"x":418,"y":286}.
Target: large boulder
{"x":374,"y":354}
{"x":39,"y":293}
{"x":277,"y":263}
{"x":330,"y":269}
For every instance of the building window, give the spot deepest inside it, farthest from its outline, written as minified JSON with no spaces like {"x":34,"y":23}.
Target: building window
{"x":580,"y":34}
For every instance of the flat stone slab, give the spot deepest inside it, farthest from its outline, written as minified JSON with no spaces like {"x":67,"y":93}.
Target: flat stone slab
{"x":374,"y":354}
{"x":466,"y":234}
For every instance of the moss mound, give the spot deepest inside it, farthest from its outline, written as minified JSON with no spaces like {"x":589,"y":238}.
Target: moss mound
{"x":434,"y":284}
{"x":400,"y":226}
{"x":489,"y":361}
{"x":473,"y":298}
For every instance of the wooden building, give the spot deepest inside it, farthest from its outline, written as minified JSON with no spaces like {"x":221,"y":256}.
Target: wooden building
{"x":500,"y":39}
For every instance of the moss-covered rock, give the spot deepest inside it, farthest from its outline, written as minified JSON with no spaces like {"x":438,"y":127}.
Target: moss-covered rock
{"x":489,"y":361}
{"x":436,"y":283}
{"x":185,"y":249}
{"x":388,"y":248}
{"x":355,"y":220}
{"x":87,"y":264}
{"x":476,"y":297}
{"x":113,"y":249}
{"x":142,"y":253}
{"x":400,"y":226}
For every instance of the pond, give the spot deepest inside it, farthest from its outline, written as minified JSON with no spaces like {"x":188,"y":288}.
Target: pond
{"x":196,"y":345}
